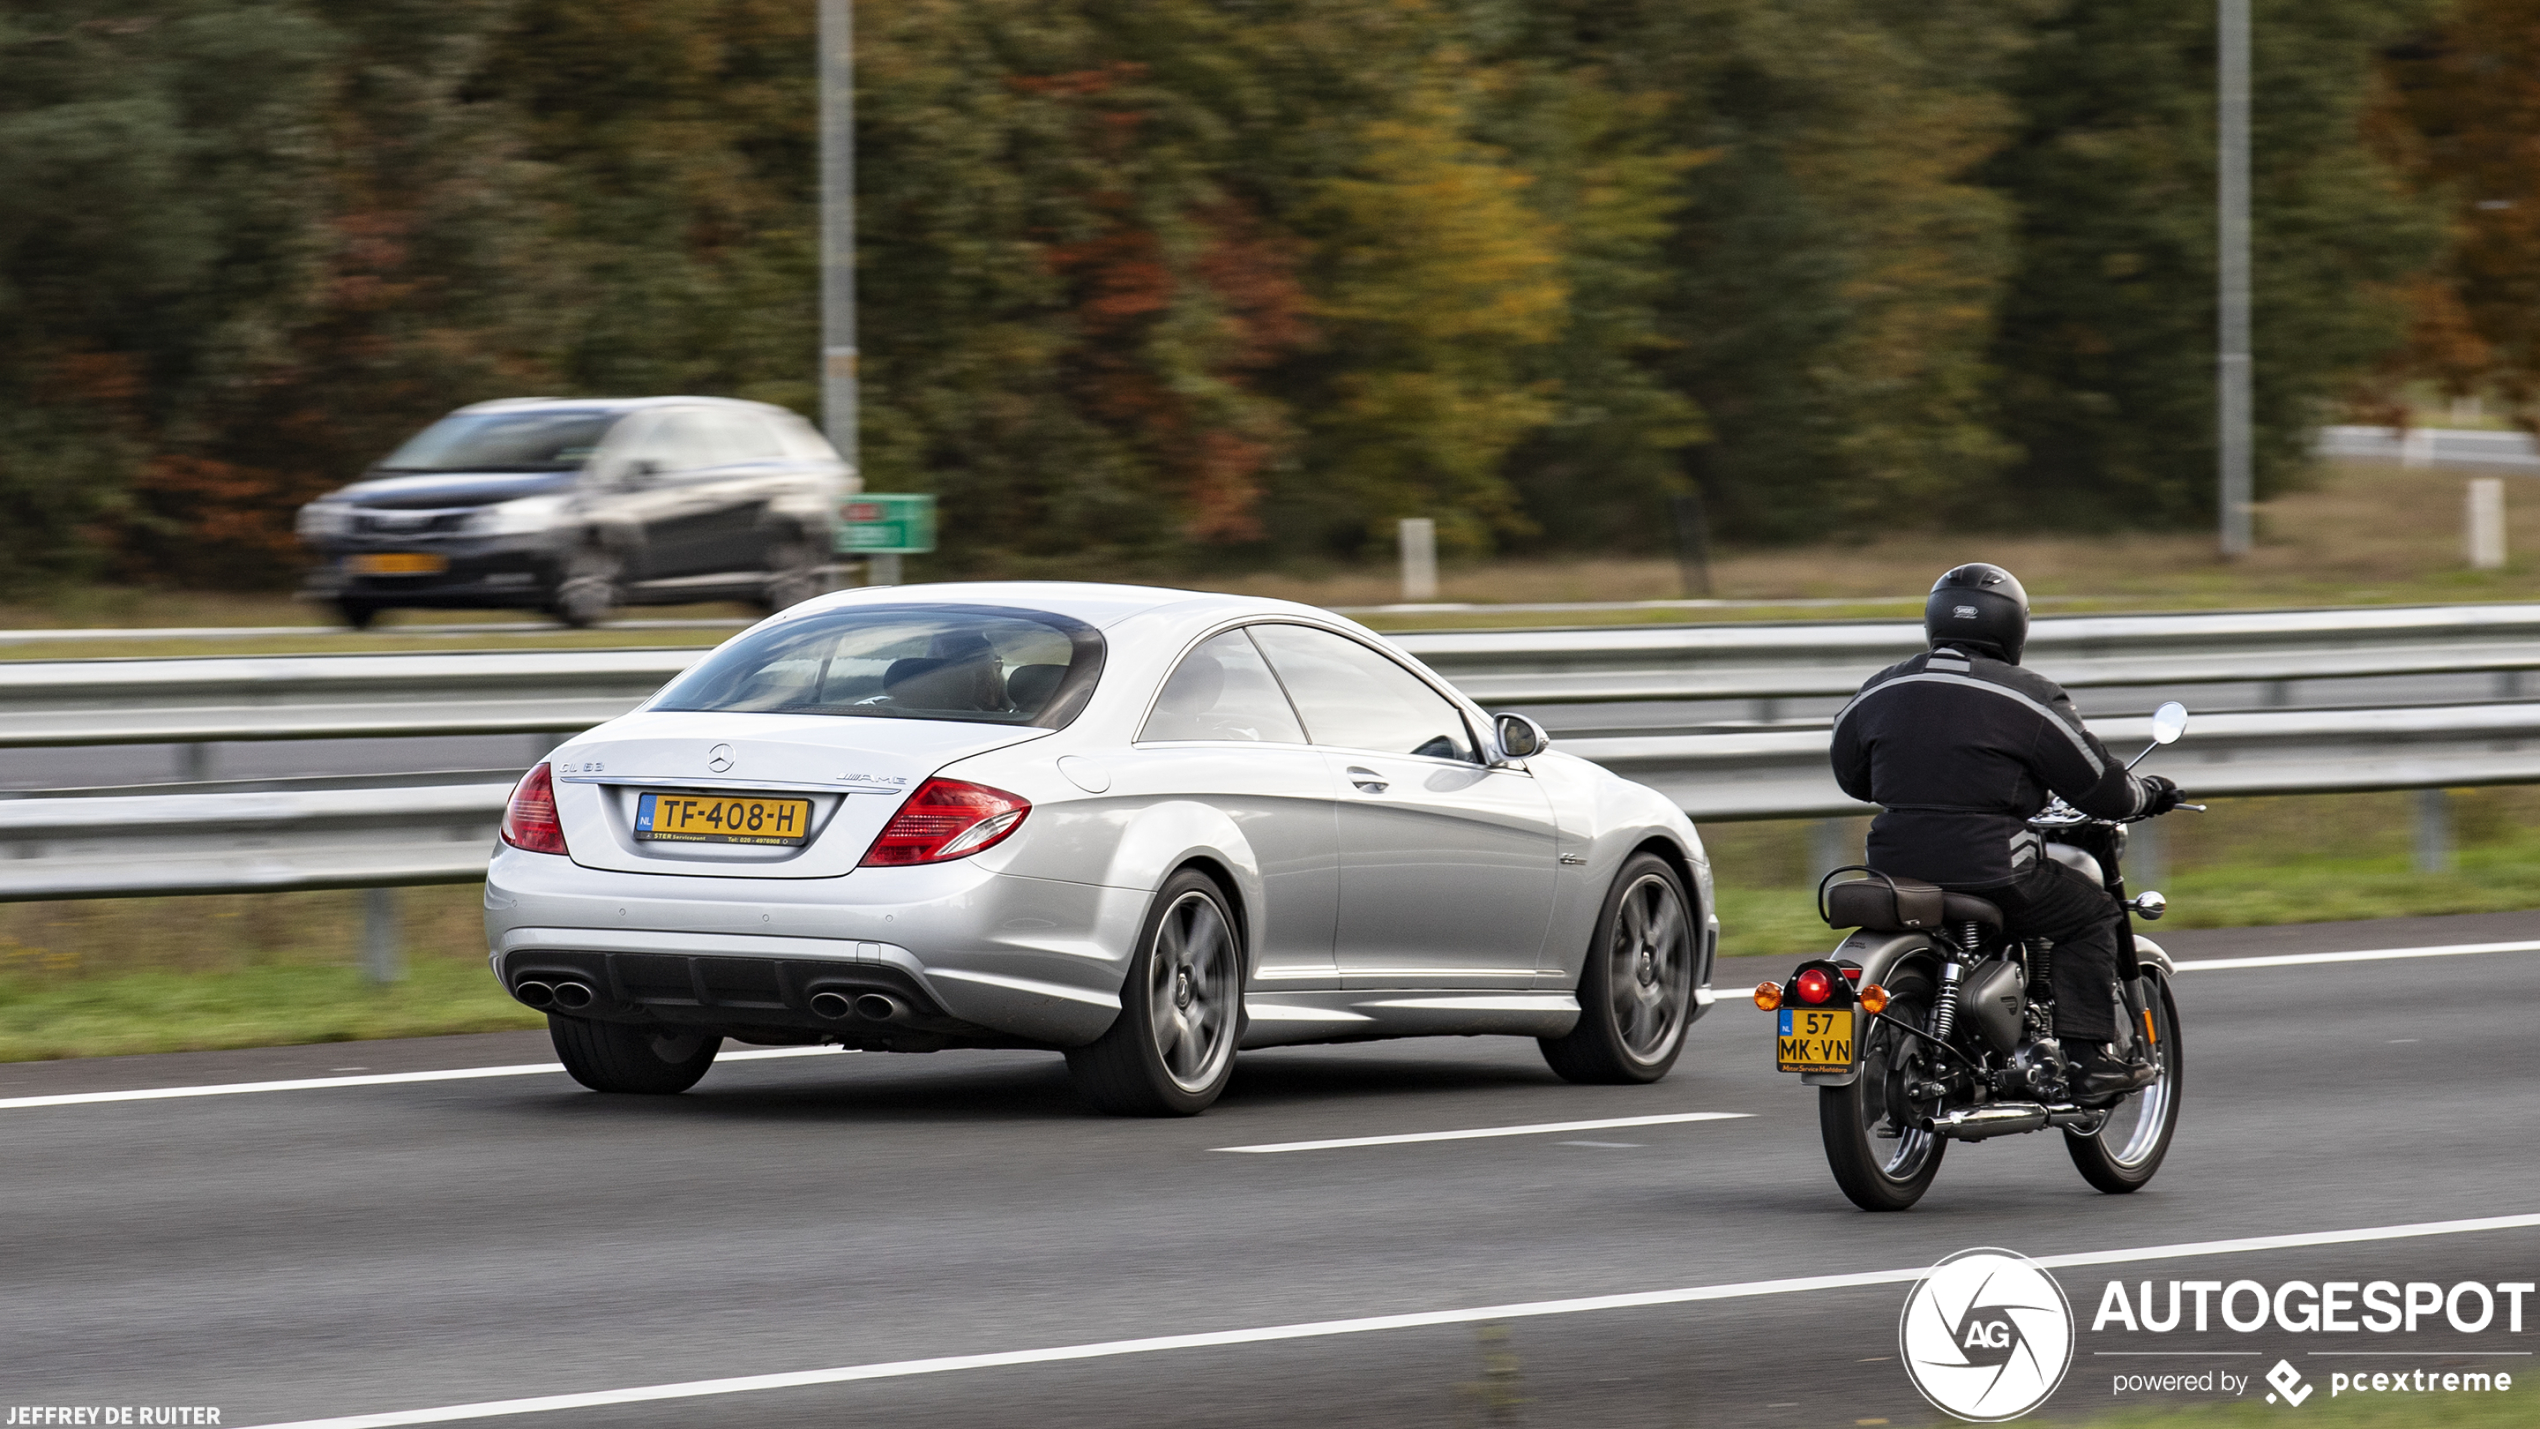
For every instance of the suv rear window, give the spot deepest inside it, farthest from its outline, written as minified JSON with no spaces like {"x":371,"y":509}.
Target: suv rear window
{"x":551,"y":439}
{"x":977,"y":664}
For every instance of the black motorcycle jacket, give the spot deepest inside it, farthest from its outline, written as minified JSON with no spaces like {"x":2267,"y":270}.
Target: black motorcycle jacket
{"x":1960,"y":750}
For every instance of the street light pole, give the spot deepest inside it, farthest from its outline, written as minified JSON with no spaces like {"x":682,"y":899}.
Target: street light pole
{"x":837,"y":228}
{"x":2233,"y":234}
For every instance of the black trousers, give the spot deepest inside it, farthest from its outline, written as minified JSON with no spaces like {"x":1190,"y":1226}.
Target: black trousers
{"x":2067,"y":909}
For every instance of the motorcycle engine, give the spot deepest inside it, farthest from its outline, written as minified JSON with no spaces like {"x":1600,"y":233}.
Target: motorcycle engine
{"x":2037,"y":1071}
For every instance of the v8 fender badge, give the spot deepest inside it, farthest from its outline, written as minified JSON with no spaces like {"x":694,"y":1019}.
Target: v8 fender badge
{"x":1987,"y":1335}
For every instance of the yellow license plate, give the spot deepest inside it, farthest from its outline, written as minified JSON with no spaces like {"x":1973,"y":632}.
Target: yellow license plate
{"x":722,"y":819}
{"x":1812,"y":1041}
{"x":399,"y":563}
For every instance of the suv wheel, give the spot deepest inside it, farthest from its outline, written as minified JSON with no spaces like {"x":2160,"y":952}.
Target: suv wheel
{"x":794,"y":575}
{"x":356,"y":614}
{"x":588,"y":590}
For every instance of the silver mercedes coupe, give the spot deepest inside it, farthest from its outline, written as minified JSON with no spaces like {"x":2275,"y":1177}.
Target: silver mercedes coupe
{"x":1142,"y":827}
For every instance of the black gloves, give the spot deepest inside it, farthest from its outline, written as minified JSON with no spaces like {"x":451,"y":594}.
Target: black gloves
{"x":2160,"y":795}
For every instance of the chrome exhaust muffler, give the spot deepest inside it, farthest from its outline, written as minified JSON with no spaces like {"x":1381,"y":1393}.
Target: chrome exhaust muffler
{"x":1977,"y":1123}
{"x":535,"y":993}
{"x":575,"y":996}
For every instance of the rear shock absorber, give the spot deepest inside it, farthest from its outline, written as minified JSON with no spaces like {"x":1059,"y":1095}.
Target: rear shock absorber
{"x":1944,"y":1012}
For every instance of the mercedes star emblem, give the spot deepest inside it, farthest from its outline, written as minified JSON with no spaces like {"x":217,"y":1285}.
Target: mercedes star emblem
{"x":719,"y":758}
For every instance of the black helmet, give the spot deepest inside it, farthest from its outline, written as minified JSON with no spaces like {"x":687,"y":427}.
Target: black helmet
{"x":1978,"y":606}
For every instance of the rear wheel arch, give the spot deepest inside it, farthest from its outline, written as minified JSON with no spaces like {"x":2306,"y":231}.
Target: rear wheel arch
{"x":1231,"y":889}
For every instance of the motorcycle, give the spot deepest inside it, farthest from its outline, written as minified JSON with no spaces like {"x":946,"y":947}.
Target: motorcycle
{"x":1925,"y":1026}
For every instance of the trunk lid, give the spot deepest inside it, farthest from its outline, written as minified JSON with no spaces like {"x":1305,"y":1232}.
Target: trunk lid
{"x":855,"y":773}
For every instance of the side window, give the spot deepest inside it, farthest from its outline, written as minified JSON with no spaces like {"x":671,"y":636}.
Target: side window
{"x":1222,"y":690}
{"x":683,"y":441}
{"x":747,"y":437}
{"x":1357,"y":699}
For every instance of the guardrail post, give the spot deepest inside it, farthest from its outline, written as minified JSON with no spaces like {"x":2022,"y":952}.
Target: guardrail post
{"x":383,"y":960}
{"x":1419,"y":537}
{"x":2434,"y":831}
{"x":194,"y":762}
{"x":2483,"y":531}
{"x":883,"y":569}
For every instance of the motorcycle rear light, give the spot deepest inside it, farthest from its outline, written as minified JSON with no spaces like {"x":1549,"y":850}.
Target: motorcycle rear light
{"x":1852,"y":975}
{"x":1815,"y":986}
{"x":1768,"y":995}
{"x":1874,"y":998}
{"x":947,"y":819}
{"x":529,"y":820}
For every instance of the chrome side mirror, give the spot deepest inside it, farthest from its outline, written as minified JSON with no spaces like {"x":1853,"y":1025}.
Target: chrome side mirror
{"x":2168,"y":722}
{"x":1519,"y":737}
{"x":2149,"y":905}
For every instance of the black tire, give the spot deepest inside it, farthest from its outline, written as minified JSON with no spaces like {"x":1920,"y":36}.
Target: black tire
{"x":1876,"y":1173}
{"x":356,"y":614}
{"x":1172,"y":1049}
{"x":2124,"y":1151}
{"x":615,"y":1057}
{"x":588,"y":588}
{"x":794,"y":575}
{"x":1636,"y":991}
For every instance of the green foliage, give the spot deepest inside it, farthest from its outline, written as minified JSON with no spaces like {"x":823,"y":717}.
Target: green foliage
{"x":1149,"y":284}
{"x":2107,"y":330}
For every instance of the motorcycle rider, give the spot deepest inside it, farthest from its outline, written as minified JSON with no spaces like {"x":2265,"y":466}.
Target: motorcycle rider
{"x":1959,"y":746}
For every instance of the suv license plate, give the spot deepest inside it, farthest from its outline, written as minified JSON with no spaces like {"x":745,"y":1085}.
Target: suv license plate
{"x":722,"y":819}
{"x":398,"y":563}
{"x":1810,"y":1041}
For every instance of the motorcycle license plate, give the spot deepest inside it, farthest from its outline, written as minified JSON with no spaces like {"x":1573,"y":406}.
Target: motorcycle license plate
{"x":1814,"y":1041}
{"x":722,"y":819}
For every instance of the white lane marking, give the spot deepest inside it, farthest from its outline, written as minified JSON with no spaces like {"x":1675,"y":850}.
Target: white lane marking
{"x":1319,"y":1329}
{"x":376,"y":1079}
{"x":2367,"y":955}
{"x":1541,"y":1128}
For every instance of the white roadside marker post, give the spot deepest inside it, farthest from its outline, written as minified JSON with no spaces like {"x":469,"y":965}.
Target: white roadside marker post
{"x":383,"y":959}
{"x":2484,"y":523}
{"x":1419,"y":537}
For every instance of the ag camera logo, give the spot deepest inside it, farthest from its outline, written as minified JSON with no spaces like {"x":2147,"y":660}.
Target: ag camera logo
{"x":1987,"y":1335}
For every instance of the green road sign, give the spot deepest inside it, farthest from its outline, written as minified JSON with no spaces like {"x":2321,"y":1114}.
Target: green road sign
{"x":879,"y":524}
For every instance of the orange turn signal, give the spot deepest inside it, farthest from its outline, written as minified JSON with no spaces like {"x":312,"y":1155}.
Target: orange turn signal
{"x":1874,"y":997}
{"x":1768,"y":995}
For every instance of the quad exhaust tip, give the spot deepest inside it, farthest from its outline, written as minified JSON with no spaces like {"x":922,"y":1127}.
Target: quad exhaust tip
{"x":535,"y":993}
{"x":871,"y":1006}
{"x":574,"y":996}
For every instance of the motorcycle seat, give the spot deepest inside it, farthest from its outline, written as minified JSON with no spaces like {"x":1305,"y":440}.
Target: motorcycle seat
{"x":1882,"y":903}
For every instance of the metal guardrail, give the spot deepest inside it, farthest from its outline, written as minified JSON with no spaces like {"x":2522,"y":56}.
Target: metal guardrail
{"x":100,"y":702}
{"x":2432,"y":446}
{"x":350,"y":838}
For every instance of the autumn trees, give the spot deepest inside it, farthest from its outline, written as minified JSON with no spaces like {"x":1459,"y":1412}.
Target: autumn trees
{"x":1149,"y":284}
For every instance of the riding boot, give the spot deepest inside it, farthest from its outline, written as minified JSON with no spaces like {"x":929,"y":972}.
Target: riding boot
{"x":2102,"y":1077}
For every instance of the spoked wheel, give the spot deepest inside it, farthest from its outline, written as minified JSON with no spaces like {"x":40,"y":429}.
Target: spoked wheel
{"x":1181,"y":1010}
{"x":1890,"y":1171}
{"x":1636,"y":992}
{"x":2127,"y":1148}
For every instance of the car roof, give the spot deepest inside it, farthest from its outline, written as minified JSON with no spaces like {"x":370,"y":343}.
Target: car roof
{"x":612,"y":404}
{"x":1095,"y":603}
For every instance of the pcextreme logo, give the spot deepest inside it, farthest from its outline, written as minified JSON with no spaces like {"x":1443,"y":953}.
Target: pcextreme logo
{"x":1987,"y":1335}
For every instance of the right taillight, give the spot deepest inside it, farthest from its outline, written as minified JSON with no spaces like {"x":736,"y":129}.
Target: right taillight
{"x":947,"y":819}
{"x":529,"y":820}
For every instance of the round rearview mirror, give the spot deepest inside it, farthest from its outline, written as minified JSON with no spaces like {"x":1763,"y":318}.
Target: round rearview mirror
{"x":2169,"y":722}
{"x":1520,"y":737}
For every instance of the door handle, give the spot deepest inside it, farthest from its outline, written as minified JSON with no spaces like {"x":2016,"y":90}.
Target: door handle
{"x":1367,"y":780}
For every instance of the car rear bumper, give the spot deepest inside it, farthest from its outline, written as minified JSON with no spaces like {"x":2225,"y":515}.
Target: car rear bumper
{"x":484,"y":571}
{"x":975,"y":957}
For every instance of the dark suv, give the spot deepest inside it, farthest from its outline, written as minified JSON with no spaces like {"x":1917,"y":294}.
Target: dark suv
{"x":575,"y":507}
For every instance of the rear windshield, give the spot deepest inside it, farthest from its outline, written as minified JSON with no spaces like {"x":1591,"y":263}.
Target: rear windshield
{"x":977,"y":664}
{"x":553,"y":439}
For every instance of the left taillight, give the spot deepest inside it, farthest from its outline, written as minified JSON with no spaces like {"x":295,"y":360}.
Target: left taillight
{"x":529,"y":820}
{"x":947,"y":819}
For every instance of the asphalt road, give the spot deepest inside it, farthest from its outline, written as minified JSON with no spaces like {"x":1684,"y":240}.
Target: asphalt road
{"x":300,"y":1254}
